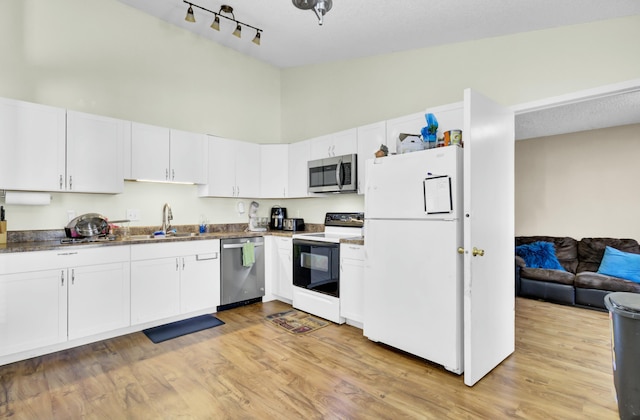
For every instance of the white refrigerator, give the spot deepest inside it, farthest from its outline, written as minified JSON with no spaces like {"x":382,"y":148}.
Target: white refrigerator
{"x":413,"y":271}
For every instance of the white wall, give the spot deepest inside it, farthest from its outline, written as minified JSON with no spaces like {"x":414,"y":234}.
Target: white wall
{"x":104,"y":57}
{"x":512,"y":69}
{"x":579,"y":185}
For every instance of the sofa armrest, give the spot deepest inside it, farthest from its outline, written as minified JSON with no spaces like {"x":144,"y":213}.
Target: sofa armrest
{"x":520,"y":262}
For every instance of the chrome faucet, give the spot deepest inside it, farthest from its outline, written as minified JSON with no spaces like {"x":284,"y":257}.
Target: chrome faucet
{"x":167,"y":217}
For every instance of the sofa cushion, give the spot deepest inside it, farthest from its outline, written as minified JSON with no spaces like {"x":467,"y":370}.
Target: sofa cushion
{"x":566,"y":249}
{"x":551,"y":276}
{"x":539,"y":254}
{"x":590,"y":280}
{"x":591,"y":251}
{"x":625,"y":265}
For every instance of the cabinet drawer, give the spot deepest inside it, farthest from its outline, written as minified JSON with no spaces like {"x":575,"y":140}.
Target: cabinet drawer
{"x":174,"y":249}
{"x":351,"y":251}
{"x":23,"y":262}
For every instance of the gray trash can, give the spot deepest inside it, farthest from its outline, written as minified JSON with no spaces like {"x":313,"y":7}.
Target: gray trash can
{"x":624,"y":312}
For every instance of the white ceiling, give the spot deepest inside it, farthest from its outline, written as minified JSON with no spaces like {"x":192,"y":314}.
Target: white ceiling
{"x":359,"y":28}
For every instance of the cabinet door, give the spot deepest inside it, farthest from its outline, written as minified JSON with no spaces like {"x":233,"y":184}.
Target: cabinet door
{"x":345,"y":142}
{"x":409,"y":124}
{"x":352,"y":282}
{"x":284,"y":272}
{"x":274,"y":170}
{"x":298,"y":169}
{"x":149,"y":152}
{"x":200,"y":280}
{"x":247,"y":169}
{"x":188,"y":156}
{"x":99,"y":299}
{"x":155,"y":289}
{"x":33,"y":310}
{"x":95,"y":153}
{"x":321,"y":147}
{"x":32,"y":141}
{"x":221,"y":171}
{"x":370,"y":137}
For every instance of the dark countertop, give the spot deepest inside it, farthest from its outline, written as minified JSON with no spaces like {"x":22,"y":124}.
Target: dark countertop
{"x":29,"y":241}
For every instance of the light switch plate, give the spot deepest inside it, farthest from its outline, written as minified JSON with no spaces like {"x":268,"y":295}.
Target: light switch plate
{"x":133,"y":215}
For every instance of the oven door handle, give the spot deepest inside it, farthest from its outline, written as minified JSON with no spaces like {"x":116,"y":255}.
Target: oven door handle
{"x":315,"y":243}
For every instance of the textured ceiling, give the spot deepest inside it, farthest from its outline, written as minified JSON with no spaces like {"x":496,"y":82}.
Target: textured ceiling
{"x":358,"y":28}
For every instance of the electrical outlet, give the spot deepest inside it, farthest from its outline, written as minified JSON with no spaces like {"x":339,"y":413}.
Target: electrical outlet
{"x":133,"y":215}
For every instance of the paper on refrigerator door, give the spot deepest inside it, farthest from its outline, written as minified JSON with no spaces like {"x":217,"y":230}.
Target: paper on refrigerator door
{"x":437,"y":195}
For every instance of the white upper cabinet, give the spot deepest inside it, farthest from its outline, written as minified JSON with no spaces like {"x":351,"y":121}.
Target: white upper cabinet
{"x":233,"y":169}
{"x":247,"y":169}
{"x":188,"y":157}
{"x":150,"y":152}
{"x":298,"y":169}
{"x":274,"y":170}
{"x":370,"y":137}
{"x":163,"y":154}
{"x":335,"y":144}
{"x":409,"y":124}
{"x":95,"y":153}
{"x":32,"y":142}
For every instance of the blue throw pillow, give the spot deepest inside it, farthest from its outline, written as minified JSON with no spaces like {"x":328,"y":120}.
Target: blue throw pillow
{"x":539,"y":255}
{"x":616,"y":263}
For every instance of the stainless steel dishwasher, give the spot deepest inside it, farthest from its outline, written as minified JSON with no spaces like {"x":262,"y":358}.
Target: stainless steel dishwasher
{"x":241,"y":285}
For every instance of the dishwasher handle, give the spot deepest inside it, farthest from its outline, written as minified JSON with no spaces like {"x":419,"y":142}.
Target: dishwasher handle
{"x":230,"y":246}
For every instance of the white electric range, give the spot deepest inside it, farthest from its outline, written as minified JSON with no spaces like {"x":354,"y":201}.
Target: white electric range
{"x":316,"y":265}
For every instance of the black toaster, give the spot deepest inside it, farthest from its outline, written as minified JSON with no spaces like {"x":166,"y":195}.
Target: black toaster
{"x":293,"y":224}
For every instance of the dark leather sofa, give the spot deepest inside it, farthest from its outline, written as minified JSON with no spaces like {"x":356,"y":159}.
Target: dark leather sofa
{"x":580,"y":285}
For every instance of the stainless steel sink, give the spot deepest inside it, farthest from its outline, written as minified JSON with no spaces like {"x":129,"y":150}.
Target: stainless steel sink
{"x":160,"y":237}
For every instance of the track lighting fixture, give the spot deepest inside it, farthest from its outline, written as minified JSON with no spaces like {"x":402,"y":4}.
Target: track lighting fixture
{"x":227,"y":10}
{"x":319,"y":7}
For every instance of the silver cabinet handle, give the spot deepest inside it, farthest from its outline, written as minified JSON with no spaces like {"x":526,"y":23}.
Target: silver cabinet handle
{"x":173,"y":174}
{"x":183,"y":263}
{"x":73,"y":276}
{"x":70,"y":182}
{"x":177,"y":266}
{"x":61,"y":277}
{"x":60,"y":181}
{"x":166,"y":174}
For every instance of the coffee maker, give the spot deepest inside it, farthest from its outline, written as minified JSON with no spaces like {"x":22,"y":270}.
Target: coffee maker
{"x":278,"y":214}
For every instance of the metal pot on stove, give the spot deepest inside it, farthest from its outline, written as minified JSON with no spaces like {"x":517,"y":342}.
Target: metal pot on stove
{"x":87,"y":226}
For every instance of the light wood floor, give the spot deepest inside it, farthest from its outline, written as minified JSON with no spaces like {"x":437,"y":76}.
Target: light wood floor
{"x":251,"y":369}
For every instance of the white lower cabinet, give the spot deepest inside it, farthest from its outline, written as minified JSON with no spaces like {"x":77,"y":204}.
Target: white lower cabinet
{"x":170,"y":279}
{"x":66,"y":295}
{"x":352,"y":283}
{"x":33,"y":310}
{"x":98,"y":299}
{"x":281,"y":272}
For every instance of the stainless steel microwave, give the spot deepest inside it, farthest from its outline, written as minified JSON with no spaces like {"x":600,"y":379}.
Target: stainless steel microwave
{"x":333,"y":174}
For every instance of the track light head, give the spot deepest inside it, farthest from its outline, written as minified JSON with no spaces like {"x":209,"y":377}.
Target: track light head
{"x":238,"y":31}
{"x":256,"y":39}
{"x":216,"y":23}
{"x":190,"y":17}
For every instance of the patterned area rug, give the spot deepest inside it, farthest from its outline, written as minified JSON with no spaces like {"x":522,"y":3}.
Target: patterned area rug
{"x":297,"y":322}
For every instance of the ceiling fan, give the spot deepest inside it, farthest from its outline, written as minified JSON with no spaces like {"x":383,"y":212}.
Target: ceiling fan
{"x":319,"y":7}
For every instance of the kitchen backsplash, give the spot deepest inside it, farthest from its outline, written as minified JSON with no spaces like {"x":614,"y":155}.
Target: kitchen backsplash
{"x":187,"y":207}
